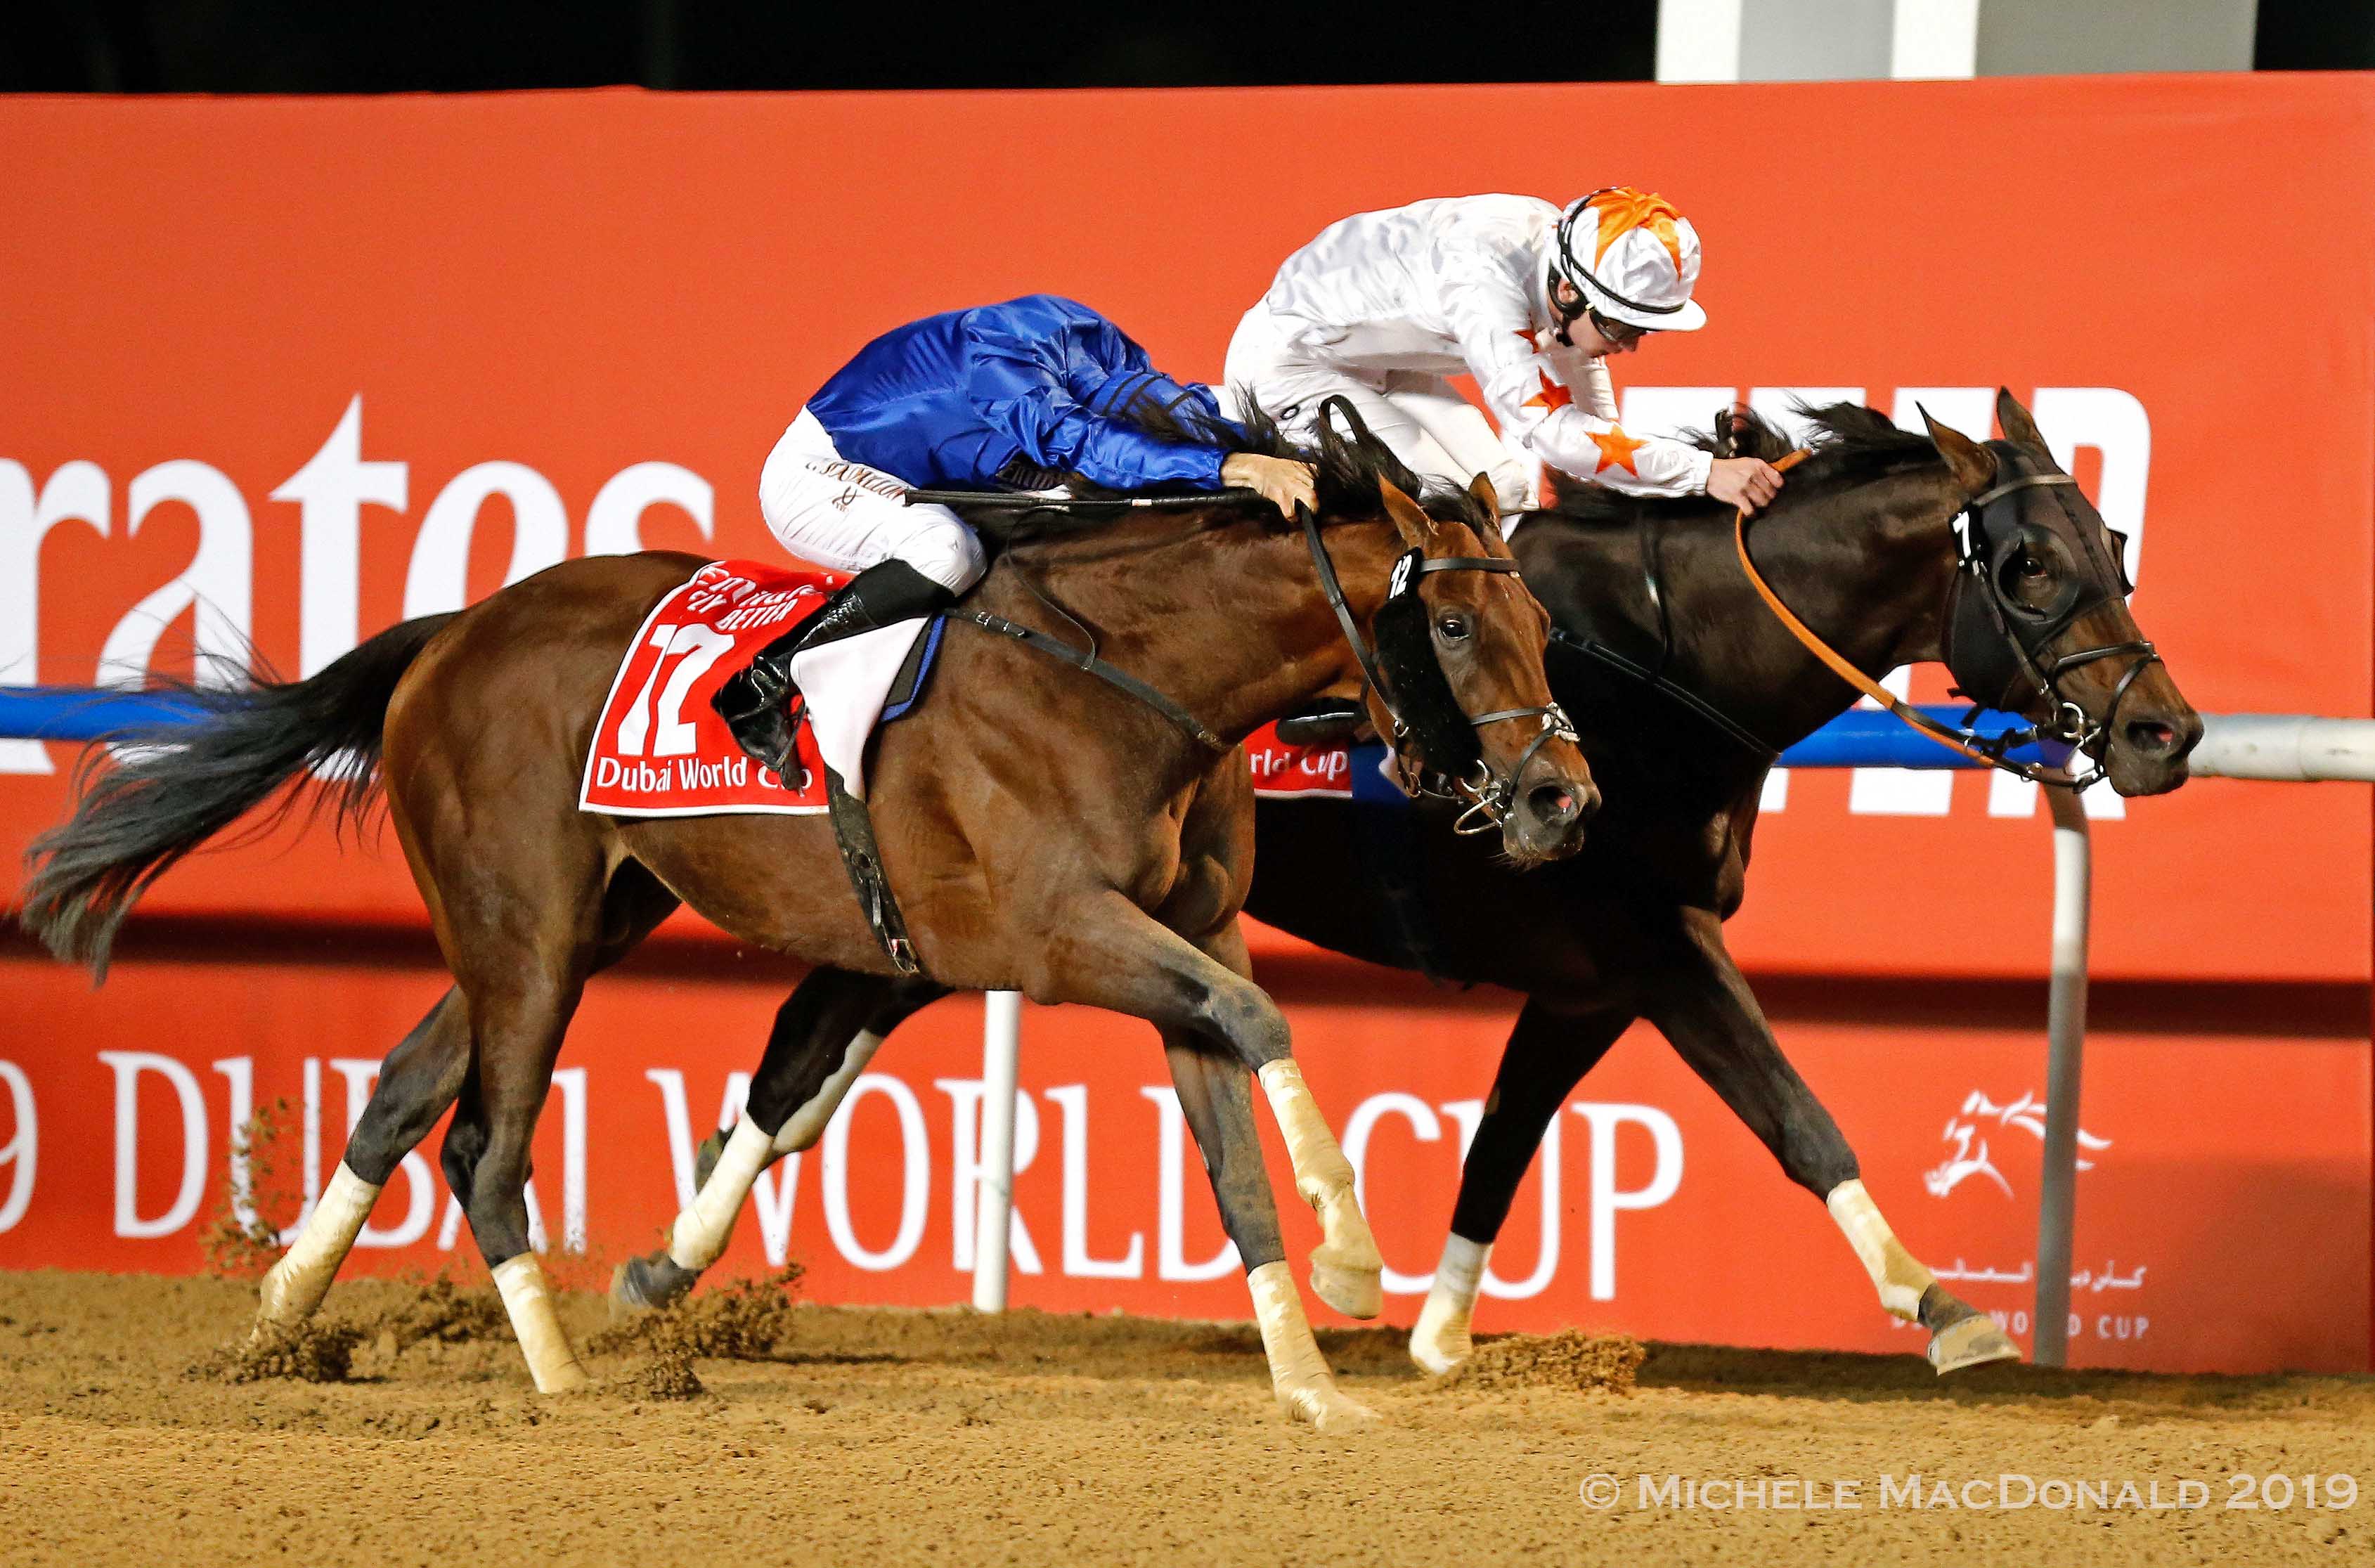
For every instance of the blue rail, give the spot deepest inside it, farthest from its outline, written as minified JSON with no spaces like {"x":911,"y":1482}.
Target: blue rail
{"x":84,"y":712}
{"x":1863,"y":739}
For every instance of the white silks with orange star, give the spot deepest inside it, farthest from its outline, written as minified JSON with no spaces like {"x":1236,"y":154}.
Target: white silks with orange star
{"x":1384,"y":307}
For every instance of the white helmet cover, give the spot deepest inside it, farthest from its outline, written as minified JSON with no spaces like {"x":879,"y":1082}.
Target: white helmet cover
{"x":1633,"y":256}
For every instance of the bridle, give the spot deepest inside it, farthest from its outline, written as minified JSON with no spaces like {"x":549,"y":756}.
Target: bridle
{"x":1997,"y":648}
{"x":1419,"y":698}
{"x":1984,"y":623}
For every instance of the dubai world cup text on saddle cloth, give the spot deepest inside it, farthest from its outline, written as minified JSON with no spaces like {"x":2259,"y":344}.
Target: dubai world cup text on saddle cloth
{"x":661,"y":751}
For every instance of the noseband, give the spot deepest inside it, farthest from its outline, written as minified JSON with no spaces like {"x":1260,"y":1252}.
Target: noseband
{"x":1418,"y":696}
{"x":1997,"y":648}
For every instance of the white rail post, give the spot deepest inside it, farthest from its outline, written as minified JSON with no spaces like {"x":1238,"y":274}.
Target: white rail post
{"x":2065,"y":1030}
{"x":1001,"y":1044}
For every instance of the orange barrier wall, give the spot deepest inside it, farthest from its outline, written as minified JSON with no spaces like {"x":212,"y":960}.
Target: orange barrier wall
{"x":321,"y":364}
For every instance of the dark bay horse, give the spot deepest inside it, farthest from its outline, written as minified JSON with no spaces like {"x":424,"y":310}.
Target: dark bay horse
{"x":1864,"y":544}
{"x":1045,"y":832}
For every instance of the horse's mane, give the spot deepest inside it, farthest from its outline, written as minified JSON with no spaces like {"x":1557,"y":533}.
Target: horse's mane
{"x":1349,"y":465}
{"x":1849,"y":442}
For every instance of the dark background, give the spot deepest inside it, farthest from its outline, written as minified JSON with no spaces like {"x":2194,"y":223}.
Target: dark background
{"x":461,"y":45}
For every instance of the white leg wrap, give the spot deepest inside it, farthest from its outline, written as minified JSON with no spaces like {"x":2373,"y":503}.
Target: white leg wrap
{"x":1346,"y":1266}
{"x":1439,"y":1340}
{"x":1299,"y":1376}
{"x":702,"y":1231}
{"x":1894,"y":1274}
{"x":804,"y":1127}
{"x":542,"y":1339}
{"x":299,"y":1282}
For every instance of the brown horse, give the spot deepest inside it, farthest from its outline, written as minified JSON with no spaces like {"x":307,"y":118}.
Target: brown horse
{"x":1046,"y":833}
{"x":1684,"y":689}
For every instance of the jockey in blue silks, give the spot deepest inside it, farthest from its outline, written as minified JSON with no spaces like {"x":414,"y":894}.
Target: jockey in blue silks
{"x":1026,"y":395}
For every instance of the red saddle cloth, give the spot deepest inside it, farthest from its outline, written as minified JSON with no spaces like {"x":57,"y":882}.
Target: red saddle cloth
{"x":661,"y":751}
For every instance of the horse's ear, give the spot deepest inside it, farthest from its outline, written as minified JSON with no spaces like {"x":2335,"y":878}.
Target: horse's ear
{"x":1410,"y":519}
{"x":2019,"y":428}
{"x":1482,"y":491}
{"x":1974,"y":466}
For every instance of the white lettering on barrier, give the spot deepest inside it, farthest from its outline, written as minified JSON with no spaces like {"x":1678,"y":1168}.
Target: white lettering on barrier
{"x":915,"y":1187}
{"x":1072,"y":1099}
{"x":216,"y":589}
{"x":310,"y":1100}
{"x":21,"y":1154}
{"x":76,"y":490}
{"x":239,"y":1074}
{"x":1171,"y":1218}
{"x":1606,"y":1198}
{"x":614,"y":523}
{"x":331,"y":491}
{"x":128,"y":1065}
{"x":966,"y":1170}
{"x":439,"y":577}
{"x":570,"y":1084}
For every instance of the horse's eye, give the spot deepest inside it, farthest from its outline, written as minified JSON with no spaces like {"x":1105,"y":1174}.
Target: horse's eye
{"x":1452,"y":628}
{"x":2031,"y":567}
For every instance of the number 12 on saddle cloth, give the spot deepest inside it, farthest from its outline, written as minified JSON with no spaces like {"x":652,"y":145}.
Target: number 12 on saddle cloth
{"x":660,"y":750}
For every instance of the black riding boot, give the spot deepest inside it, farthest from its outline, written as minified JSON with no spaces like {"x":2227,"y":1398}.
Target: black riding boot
{"x":756,"y":702}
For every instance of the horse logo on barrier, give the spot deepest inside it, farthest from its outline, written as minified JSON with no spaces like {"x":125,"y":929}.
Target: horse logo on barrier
{"x":1964,"y":1130}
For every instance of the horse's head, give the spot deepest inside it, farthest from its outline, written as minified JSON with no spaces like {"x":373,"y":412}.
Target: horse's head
{"x":1461,"y":693}
{"x":2038,"y":621}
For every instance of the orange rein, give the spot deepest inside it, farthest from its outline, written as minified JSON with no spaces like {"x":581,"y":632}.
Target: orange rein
{"x":1912,"y":717}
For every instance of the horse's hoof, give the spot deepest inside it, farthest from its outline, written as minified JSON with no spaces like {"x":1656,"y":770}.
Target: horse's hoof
{"x":1355,"y":1293}
{"x":641,"y":1284}
{"x":705,"y":1159}
{"x":1974,"y":1341}
{"x":1438,"y":1353}
{"x":1328,"y":1409}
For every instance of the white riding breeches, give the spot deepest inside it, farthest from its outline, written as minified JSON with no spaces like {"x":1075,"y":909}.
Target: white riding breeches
{"x":846,"y":516}
{"x":1420,"y":414}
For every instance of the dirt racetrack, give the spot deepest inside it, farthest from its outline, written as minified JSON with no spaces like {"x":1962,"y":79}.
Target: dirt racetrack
{"x":881,"y":1437}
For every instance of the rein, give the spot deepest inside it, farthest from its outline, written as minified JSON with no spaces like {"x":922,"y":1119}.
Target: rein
{"x":2074,"y":728}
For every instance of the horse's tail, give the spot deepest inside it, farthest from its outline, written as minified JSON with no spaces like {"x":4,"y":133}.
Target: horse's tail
{"x":178,"y":785}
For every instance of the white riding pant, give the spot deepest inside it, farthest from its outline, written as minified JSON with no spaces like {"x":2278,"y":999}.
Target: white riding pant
{"x":1422,"y":417}
{"x":846,"y":516}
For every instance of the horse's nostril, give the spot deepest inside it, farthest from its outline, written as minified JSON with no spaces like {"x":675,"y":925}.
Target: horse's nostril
{"x":2151,"y":734}
{"x":1553,"y":804}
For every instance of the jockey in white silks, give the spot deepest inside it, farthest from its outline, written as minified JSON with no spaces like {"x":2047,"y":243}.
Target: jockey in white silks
{"x":1530,"y":300}
{"x":1025,"y":395}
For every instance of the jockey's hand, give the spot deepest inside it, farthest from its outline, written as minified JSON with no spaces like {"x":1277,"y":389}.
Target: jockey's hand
{"x":1281,"y":480}
{"x":1744,"y":482}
